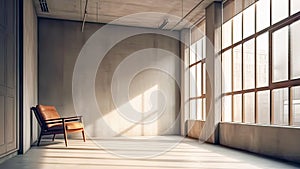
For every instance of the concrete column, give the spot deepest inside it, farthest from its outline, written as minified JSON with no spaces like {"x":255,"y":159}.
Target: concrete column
{"x":185,"y":53}
{"x":213,"y":72}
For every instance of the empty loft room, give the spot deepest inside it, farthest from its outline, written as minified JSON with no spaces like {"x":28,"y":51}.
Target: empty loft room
{"x":149,"y":84}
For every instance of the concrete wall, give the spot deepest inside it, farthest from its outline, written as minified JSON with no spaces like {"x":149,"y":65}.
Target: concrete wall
{"x":278,"y":142}
{"x":60,"y":43}
{"x":8,"y":87}
{"x":208,"y":130}
{"x":30,"y":73}
{"x":185,"y":38}
{"x":195,"y":128}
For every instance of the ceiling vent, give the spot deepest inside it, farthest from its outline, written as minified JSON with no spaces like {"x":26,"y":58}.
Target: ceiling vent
{"x":44,"y":6}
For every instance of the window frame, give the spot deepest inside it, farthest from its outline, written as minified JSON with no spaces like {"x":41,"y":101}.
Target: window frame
{"x":271,"y":86}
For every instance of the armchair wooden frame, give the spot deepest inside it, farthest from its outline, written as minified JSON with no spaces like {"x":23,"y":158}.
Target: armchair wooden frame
{"x":57,"y":125}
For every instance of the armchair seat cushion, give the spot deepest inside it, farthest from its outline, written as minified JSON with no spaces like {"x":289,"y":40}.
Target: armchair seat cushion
{"x":74,"y":125}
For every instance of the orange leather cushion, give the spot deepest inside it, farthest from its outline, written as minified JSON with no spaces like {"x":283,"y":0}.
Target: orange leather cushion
{"x":74,"y":125}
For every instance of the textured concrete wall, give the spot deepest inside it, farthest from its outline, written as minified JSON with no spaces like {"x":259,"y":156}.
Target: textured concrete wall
{"x":195,"y":128}
{"x":59,"y":45}
{"x":185,"y":91}
{"x":30,"y":74}
{"x":278,"y":142}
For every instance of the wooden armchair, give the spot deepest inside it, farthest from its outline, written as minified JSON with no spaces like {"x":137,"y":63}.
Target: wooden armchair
{"x":51,"y":123}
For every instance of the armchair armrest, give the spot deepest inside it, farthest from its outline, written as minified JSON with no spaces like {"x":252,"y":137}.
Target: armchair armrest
{"x":64,"y":119}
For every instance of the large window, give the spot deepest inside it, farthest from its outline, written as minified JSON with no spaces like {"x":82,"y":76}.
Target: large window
{"x":197,"y":74}
{"x":260,"y":64}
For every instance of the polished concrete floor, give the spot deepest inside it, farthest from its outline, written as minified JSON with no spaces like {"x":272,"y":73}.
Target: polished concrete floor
{"x":138,"y":152}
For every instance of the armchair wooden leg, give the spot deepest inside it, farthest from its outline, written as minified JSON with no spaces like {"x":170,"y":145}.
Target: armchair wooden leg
{"x":53,"y":138}
{"x":39,"y":140}
{"x":66,"y":137}
{"x":83,"y":135}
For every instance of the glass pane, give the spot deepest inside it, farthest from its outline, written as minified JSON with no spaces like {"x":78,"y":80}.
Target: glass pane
{"x":237,"y":68}
{"x":193,"y":109}
{"x":249,"y":21}
{"x":280,"y":55}
{"x":263,"y":107}
{"x":296,"y":106}
{"x":248,"y":65}
{"x":204,"y":78}
{"x":226,"y":34}
{"x":237,"y":28}
{"x":193,"y":81}
{"x":237,"y":108}
{"x":199,"y":109}
{"x":204,"y":47}
{"x":249,"y":107}
{"x":262,"y":60}
{"x":199,"y":50}
{"x":227,"y":109}
{"x":226,"y":71}
{"x":280,"y":10}
{"x":204,"y":109}
{"x":295,"y":6}
{"x":193,"y":53}
{"x":262,"y":14}
{"x":280,"y":106}
{"x":186,"y":56}
{"x":295,"y":50}
{"x":199,"y":80}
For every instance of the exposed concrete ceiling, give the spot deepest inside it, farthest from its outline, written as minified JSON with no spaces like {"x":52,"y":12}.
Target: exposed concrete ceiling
{"x":106,"y":11}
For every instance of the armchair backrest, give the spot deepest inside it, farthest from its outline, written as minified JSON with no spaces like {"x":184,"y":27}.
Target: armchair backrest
{"x":48,"y":112}
{"x":44,"y":113}
{"x":39,"y":118}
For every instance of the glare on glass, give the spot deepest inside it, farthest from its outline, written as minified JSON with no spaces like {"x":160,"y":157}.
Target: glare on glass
{"x":280,"y":10}
{"x":249,"y":21}
{"x":227,"y":108}
{"x":280,"y":104}
{"x":295,"y":50}
{"x":199,"y":50}
{"x":193,"y":109}
{"x":296,"y":105}
{"x":193,"y":84}
{"x":204,"y":109}
{"x":204,"y":78}
{"x":237,"y":68}
{"x":249,"y":107}
{"x":199,"y":80}
{"x":263,"y":107}
{"x":204,"y":47}
{"x":262,"y":60}
{"x":199,"y":109}
{"x":237,"y":28}
{"x":262,"y":14}
{"x":295,"y":6}
{"x":280,"y":51}
{"x":226,"y":34}
{"x":193,"y":53}
{"x":248,"y":65}
{"x":226,"y":71}
{"x":237,"y":108}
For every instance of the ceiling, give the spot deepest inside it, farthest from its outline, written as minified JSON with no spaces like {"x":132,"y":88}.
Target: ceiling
{"x":107,"y":11}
